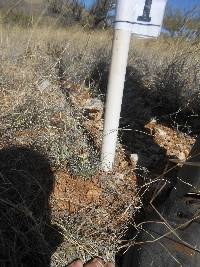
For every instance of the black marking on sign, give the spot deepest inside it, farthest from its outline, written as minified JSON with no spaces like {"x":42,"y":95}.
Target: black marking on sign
{"x":146,"y":12}
{"x":137,"y":23}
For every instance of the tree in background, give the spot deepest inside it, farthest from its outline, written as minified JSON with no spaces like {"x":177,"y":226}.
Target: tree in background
{"x":55,"y":6}
{"x":182,"y":23}
{"x":194,"y":25}
{"x":68,"y":11}
{"x":101,"y":11}
{"x":74,"y":11}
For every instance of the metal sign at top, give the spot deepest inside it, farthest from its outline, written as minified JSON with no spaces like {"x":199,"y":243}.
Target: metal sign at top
{"x":141,"y":17}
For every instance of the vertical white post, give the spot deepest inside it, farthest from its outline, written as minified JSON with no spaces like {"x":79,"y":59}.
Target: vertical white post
{"x":114,"y":97}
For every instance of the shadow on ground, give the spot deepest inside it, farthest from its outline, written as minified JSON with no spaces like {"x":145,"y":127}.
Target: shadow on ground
{"x":27,"y":237}
{"x":141,"y":105}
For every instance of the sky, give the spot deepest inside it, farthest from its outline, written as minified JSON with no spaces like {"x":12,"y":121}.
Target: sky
{"x":183,"y":4}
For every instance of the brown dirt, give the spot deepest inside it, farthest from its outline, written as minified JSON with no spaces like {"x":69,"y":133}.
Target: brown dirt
{"x":73,"y":193}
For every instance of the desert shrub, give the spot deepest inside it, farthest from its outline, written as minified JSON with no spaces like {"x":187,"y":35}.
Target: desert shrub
{"x":66,"y":12}
{"x":17,"y":18}
{"x":168,"y":73}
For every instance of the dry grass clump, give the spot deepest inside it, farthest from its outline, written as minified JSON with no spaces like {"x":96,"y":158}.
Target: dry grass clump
{"x":89,"y":211}
{"x":170,"y":71}
{"x":163,"y":75}
{"x":31,"y":99}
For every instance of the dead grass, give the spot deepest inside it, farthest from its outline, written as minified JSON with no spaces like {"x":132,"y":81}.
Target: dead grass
{"x":39,"y":68}
{"x":42,"y":68}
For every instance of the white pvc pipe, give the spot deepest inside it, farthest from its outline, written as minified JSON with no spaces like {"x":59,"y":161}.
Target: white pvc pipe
{"x":114,"y":97}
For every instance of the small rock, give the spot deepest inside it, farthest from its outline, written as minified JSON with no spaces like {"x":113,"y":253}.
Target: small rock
{"x":162,"y":133}
{"x":119,"y":177}
{"x":44,"y":85}
{"x":93,"y":105}
{"x":182,"y":156}
{"x":134,"y":158}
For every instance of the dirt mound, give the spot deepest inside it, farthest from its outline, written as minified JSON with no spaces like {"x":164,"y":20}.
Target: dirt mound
{"x":104,"y":192}
{"x":73,"y":193}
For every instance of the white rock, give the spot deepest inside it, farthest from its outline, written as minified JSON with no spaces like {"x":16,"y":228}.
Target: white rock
{"x":134,"y":157}
{"x":182,"y":156}
{"x":44,"y":85}
{"x":153,"y":120}
{"x":94,"y":104}
{"x":162,"y":133}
